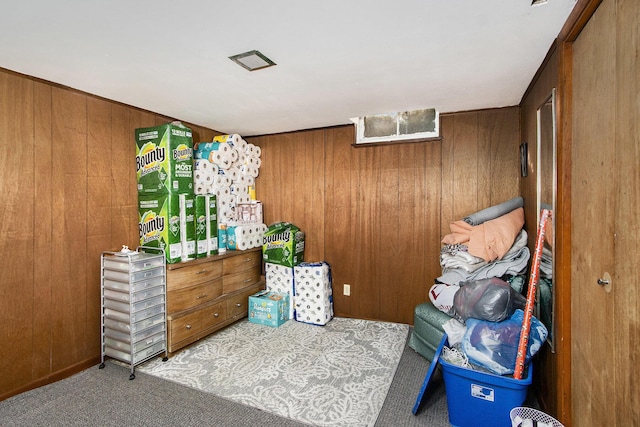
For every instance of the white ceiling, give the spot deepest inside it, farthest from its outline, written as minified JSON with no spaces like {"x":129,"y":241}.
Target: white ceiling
{"x":336,"y":59}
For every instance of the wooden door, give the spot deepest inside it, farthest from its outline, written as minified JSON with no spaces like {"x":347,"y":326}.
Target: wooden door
{"x":605,"y":200}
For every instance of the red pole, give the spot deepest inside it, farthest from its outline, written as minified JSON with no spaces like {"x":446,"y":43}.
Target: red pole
{"x":531,"y":296}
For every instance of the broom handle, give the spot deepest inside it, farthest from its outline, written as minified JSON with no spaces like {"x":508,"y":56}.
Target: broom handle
{"x":531,"y":296}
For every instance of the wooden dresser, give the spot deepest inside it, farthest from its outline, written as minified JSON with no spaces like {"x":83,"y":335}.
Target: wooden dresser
{"x":206,"y":294}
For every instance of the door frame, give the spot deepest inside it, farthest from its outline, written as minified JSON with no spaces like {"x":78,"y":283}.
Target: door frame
{"x":582,"y":12}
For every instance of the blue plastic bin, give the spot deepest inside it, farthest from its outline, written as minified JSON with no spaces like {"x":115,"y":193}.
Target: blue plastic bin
{"x":479,"y":399}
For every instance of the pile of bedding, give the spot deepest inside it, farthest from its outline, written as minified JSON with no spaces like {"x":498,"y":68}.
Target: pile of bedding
{"x":484,"y":261}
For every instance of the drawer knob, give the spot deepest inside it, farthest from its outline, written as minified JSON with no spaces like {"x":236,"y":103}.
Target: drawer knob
{"x":247,"y":280}
{"x":188,"y":326}
{"x":201,"y":271}
{"x":216,"y":314}
{"x":238,"y":305}
{"x":201,"y":296}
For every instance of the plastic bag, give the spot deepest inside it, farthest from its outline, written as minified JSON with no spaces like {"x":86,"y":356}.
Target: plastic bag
{"x":490,"y":299}
{"x":494,"y":345}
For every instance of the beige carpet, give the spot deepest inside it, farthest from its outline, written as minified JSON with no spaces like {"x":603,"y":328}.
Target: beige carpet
{"x":333,"y":375}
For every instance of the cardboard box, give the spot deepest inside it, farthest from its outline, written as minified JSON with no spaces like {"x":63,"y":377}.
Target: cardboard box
{"x":269,"y":308}
{"x":167,"y":221}
{"x":164,"y":159}
{"x":206,"y":217}
{"x":283,"y":244}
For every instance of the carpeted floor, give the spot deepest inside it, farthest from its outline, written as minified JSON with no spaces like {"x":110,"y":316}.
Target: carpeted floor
{"x":106,"y":397}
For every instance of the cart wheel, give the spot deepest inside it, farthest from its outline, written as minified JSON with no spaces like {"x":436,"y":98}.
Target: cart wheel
{"x":132,"y":376}
{"x":101,"y":366}
{"x":164,"y":359}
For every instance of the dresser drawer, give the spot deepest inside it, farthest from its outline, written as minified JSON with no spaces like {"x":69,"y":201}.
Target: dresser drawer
{"x":184,"y":327}
{"x":245,"y":261}
{"x":237,"y":281}
{"x":213,"y":314}
{"x":191,"y":296}
{"x":193,"y":274}
{"x":238,"y":305}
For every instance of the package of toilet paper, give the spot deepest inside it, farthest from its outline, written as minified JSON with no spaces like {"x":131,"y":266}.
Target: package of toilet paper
{"x":313,"y":299}
{"x":279,"y":278}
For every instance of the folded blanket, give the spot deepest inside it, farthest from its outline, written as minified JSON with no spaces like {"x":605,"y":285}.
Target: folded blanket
{"x":494,"y":212}
{"x":462,"y":260}
{"x":490,"y":240}
{"x":513,"y":264}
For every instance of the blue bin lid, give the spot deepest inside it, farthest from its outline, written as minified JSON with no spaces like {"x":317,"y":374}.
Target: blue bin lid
{"x":427,"y":378}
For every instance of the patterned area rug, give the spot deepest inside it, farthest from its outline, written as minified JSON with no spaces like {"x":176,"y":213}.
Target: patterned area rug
{"x":333,"y":375}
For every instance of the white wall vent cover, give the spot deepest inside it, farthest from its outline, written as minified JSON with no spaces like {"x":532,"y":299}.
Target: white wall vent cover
{"x":402,"y":126}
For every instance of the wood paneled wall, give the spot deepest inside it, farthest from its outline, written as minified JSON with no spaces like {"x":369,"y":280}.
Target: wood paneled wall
{"x":377,"y":214}
{"x":68,"y":185}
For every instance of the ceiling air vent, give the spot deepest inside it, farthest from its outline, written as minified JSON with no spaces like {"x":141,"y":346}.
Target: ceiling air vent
{"x":405,"y":126}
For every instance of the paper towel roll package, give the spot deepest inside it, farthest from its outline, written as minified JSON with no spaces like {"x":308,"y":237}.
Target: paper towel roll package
{"x":167,"y":221}
{"x":313,"y":296}
{"x":206,"y":226}
{"x":279,"y":278}
{"x":164,"y":159}
{"x":283,"y":244}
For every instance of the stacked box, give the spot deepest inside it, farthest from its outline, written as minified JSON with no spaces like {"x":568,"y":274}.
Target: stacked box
{"x":269,"y":308}
{"x":168,"y":222}
{"x":283,"y":244}
{"x":313,"y":298}
{"x":164,"y":159}
{"x":166,"y":204}
{"x":279,"y":278}
{"x":206,"y":226}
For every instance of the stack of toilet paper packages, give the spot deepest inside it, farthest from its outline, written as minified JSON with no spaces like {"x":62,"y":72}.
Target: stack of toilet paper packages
{"x":279,"y":278}
{"x":309,"y":286}
{"x":166,"y":203}
{"x":227,"y":167}
{"x":313,"y":293}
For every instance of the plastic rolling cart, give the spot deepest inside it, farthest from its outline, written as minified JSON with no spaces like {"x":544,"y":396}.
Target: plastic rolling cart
{"x":133,"y":291}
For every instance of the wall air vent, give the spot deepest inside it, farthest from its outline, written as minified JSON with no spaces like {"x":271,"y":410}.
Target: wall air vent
{"x":407,"y":126}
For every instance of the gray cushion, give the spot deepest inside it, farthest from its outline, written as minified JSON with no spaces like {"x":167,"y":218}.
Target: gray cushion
{"x":427,"y":329}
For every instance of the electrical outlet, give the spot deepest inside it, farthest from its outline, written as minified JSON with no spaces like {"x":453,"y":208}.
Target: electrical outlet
{"x":346,"y":291}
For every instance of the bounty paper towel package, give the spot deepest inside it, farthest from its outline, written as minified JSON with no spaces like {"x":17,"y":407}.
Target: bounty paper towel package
{"x":164,"y":159}
{"x":269,"y":308}
{"x":283,"y":243}
{"x":206,"y":226}
{"x":279,"y":278}
{"x":313,"y":293}
{"x":167,"y":221}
